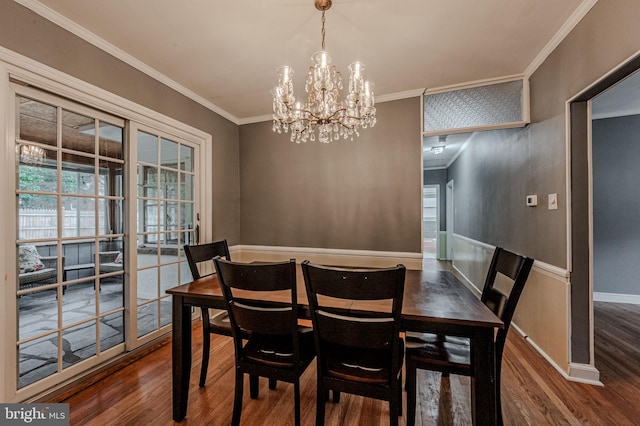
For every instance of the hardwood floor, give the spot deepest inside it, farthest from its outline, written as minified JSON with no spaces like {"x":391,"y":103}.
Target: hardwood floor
{"x":533,"y":392}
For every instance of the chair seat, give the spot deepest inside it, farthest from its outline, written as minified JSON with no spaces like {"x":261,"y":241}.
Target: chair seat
{"x":440,"y":352}
{"x":276,"y":351}
{"x":44,"y":276}
{"x":359,"y":365}
{"x":110,"y":267}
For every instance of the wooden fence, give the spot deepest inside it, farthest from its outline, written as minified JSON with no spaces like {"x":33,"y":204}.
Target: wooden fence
{"x":43,"y":223}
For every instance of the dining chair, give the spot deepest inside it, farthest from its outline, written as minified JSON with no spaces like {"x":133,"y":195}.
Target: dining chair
{"x":218,"y":323}
{"x":357,"y":340}
{"x":451,"y":354}
{"x":267,"y":339}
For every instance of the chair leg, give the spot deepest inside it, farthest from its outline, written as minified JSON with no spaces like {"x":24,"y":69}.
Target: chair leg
{"x":296,"y":402}
{"x":272,"y":384}
{"x":206,"y":346}
{"x":322,"y":395}
{"x":336,"y":396}
{"x":237,"y":400}
{"x":393,"y":412}
{"x":498,"y":395}
{"x":399,"y":393}
{"x":253,"y":386}
{"x":410,"y":384}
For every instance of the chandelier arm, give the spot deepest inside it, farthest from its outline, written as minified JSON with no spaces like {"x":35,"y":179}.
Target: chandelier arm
{"x":314,"y":118}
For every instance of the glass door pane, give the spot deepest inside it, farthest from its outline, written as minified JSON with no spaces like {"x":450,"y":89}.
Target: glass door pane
{"x":70,"y":195}
{"x":165,"y":222}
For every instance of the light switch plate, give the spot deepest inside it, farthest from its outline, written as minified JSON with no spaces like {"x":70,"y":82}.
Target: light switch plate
{"x":532,"y":200}
{"x":552,"y":201}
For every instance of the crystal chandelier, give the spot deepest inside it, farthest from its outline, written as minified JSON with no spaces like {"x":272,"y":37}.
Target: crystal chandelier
{"x":31,"y":154}
{"x":323,"y":110}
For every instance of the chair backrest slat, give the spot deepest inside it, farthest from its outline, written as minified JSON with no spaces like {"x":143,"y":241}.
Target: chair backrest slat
{"x":373,"y":333}
{"x":376,"y":281}
{"x":199,"y":253}
{"x":516,"y":268}
{"x":496,"y":301}
{"x":263,"y":320}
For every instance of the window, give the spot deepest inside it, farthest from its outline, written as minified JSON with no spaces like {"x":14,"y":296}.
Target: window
{"x":496,"y":105}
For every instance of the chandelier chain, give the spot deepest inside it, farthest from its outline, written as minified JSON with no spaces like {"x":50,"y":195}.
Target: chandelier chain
{"x":323,"y":33}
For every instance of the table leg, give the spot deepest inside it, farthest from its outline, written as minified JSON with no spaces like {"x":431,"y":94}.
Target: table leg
{"x":483,"y":383}
{"x":181,"y":356}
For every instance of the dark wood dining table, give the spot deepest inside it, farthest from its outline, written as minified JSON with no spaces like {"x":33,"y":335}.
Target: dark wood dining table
{"x":434,"y":301}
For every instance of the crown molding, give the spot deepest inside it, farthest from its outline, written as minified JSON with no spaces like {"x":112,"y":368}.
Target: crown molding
{"x":256,"y":119}
{"x":560,"y":35}
{"x":473,"y":84}
{"x":104,"y":45}
{"x":400,"y":95}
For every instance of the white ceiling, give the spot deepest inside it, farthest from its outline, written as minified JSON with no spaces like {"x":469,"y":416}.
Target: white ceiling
{"x":453,"y":146}
{"x":227,"y":52}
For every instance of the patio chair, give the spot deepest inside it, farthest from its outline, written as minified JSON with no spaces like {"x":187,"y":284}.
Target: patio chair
{"x":36,"y":270}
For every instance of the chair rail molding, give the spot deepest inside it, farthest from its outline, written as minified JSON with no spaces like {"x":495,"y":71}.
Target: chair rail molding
{"x":337,"y":257}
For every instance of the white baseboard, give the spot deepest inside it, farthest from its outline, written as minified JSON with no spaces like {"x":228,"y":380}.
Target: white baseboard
{"x":581,"y":373}
{"x":584,"y":373}
{"x":633,"y":299}
{"x":337,"y":257}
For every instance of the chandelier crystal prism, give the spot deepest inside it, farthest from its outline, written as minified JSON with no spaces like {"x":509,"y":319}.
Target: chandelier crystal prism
{"x":323,"y":110}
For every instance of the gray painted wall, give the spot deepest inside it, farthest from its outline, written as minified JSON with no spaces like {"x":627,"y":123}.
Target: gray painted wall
{"x":492,"y":178}
{"x":439,"y":177}
{"x":29,"y":34}
{"x":580,"y":60}
{"x":500,"y":167}
{"x":360,"y":195}
{"x":616,"y":205}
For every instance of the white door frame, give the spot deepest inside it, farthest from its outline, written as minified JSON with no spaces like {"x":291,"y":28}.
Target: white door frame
{"x":450,"y":215}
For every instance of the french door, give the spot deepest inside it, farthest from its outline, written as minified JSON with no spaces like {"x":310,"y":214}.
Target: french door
{"x":166,"y":219}
{"x":103,"y":207}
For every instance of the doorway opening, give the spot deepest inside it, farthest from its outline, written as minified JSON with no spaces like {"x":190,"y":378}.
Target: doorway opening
{"x":430,"y":220}
{"x":603,"y":213}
